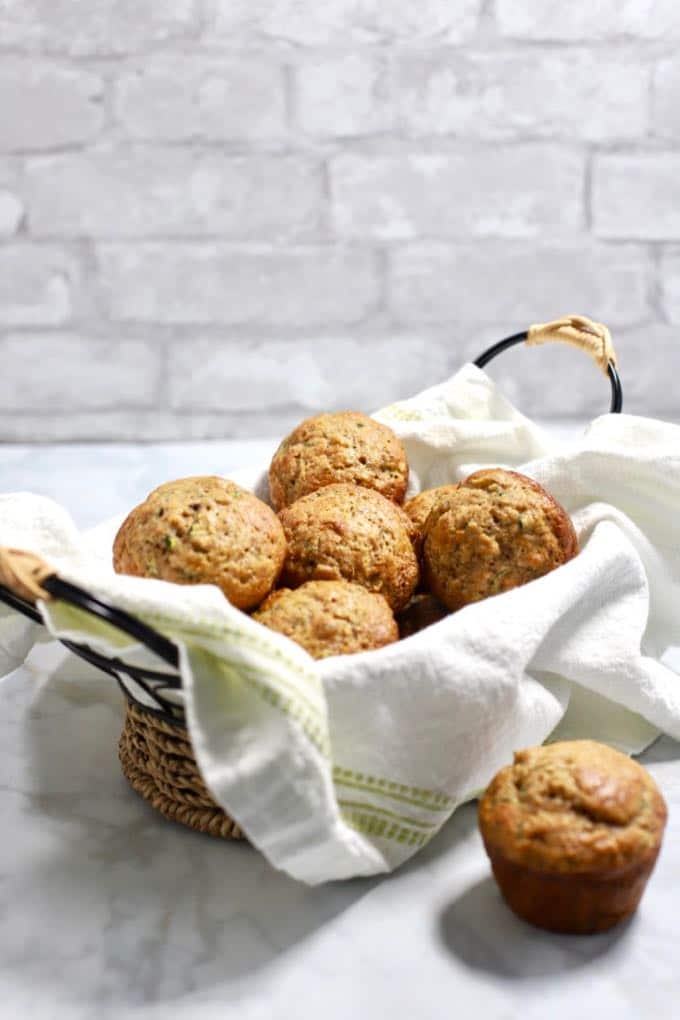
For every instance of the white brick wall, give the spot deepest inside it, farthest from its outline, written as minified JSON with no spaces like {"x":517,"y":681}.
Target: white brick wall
{"x":670,"y":285}
{"x":513,"y":191}
{"x":40,"y":285}
{"x":44,"y":105}
{"x":306,"y":373}
{"x":64,"y":373}
{"x":95,"y":27}
{"x":217,"y":216}
{"x":144,"y":191}
{"x":244,"y":287}
{"x":12,"y":208}
{"x":344,"y":22}
{"x":603,"y":20}
{"x":666,"y":104}
{"x":487,"y":96}
{"x":182,"y":98}
{"x":637,"y":195}
{"x":518,"y":283}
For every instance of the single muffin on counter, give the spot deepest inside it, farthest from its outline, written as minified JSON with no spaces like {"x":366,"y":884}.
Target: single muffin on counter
{"x":492,"y":532}
{"x":204,"y":530}
{"x":572,"y":830}
{"x":346,"y":532}
{"x":330,"y":617}
{"x":345,"y":447}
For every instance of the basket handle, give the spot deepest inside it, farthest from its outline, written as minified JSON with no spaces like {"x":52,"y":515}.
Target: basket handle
{"x":23,"y":574}
{"x":25,"y":578}
{"x":577,"y":330}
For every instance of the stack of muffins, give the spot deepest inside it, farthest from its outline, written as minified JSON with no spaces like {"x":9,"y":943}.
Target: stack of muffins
{"x":340,"y":564}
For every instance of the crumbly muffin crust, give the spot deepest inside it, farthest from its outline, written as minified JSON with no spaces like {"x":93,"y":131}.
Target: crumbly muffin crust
{"x":343,"y":447}
{"x":351,"y":533}
{"x":418,"y":509}
{"x":422,"y":611}
{"x":204,"y":530}
{"x":330,"y":617}
{"x":494,"y":531}
{"x":572,"y":807}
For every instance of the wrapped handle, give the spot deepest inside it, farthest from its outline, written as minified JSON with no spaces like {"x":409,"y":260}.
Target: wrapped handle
{"x":23,"y":574}
{"x":26,"y":578}
{"x":577,"y":330}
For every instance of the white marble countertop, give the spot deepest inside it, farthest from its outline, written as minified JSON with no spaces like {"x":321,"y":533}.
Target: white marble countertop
{"x":107,"y":910}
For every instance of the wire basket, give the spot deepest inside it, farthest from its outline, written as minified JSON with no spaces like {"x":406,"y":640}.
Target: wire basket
{"x":155,"y":750}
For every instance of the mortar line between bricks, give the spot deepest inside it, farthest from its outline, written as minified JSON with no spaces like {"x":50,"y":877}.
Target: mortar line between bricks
{"x":258,"y":246}
{"x":613,"y":44}
{"x":328,"y":146}
{"x":340,"y":243}
{"x":40,"y":413}
{"x":359,"y":147}
{"x":398,"y":330}
{"x":433,"y":330}
{"x":203,"y":48}
{"x":330,"y":149}
{"x":129,"y":145}
{"x":567,"y":241}
{"x":195,"y":44}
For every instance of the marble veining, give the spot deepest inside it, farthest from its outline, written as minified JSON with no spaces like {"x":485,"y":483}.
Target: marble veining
{"x":108,"y":911}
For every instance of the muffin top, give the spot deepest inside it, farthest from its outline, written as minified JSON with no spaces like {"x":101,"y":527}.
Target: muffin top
{"x":574,"y":806}
{"x":204,"y":530}
{"x":344,"y":447}
{"x":351,"y":533}
{"x":330,"y":617}
{"x":419,"y":508}
{"x":492,"y":532}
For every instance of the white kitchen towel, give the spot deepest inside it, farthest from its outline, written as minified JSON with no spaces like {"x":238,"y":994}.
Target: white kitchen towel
{"x":348,"y":766}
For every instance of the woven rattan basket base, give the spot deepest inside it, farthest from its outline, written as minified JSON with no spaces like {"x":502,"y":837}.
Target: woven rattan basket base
{"x":158,"y":762}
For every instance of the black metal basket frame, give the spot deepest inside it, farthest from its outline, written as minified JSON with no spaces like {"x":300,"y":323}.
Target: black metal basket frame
{"x":155,"y":683}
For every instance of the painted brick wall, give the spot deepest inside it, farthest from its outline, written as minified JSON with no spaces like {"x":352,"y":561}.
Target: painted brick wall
{"x":217,"y":216}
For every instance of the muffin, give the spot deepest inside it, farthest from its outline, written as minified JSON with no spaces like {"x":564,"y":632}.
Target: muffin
{"x":492,"y":532}
{"x":204,"y":530}
{"x":330,"y":617}
{"x":422,"y":611}
{"x":418,"y":510}
{"x":344,"y":447}
{"x":572,"y":831}
{"x":346,"y":532}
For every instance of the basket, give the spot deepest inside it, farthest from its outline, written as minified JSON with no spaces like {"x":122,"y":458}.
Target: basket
{"x":154,"y":749}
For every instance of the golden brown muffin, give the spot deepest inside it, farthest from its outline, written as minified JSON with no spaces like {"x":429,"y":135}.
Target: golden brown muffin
{"x":204,"y":530}
{"x":343,"y":447}
{"x":351,"y":533}
{"x":573,"y":831}
{"x":418,"y":509}
{"x":330,"y":617}
{"x":422,"y":611}
{"x":492,"y":532}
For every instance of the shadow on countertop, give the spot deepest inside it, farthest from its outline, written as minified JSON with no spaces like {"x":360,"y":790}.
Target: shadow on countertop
{"x":662,"y":750}
{"x":124,"y":908}
{"x":481,"y":932}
